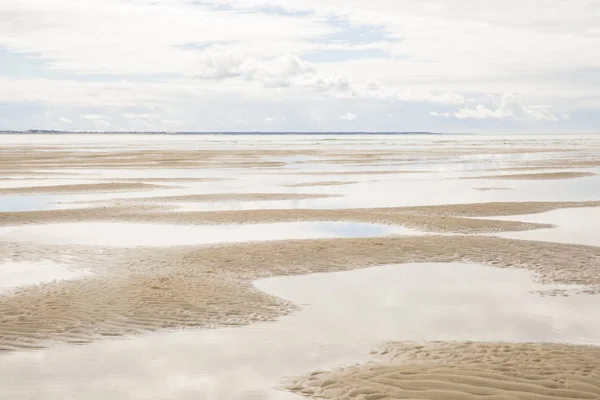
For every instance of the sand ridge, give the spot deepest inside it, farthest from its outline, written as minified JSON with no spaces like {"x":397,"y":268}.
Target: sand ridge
{"x":444,"y":218}
{"x":498,"y":208}
{"x":464,"y":370}
{"x":146,"y":289}
{"x":218,"y":197}
{"x":540,"y":176}
{"x":82,"y":188}
{"x":320,"y":183}
{"x":166,"y":214}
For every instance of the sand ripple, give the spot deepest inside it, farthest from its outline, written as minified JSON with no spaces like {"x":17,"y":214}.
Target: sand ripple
{"x":138,"y":290}
{"x":499,"y":371}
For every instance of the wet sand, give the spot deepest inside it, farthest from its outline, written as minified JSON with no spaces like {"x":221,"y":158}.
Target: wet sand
{"x":130,"y":291}
{"x":146,"y":289}
{"x":540,"y":176}
{"x":427,"y":218}
{"x":150,"y":214}
{"x":81,"y":188}
{"x":447,"y":370}
{"x":218,"y":197}
{"x":320,"y":183}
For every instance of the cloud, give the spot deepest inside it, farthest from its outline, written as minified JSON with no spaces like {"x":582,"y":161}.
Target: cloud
{"x":510,"y":106}
{"x":225,"y":53}
{"x":137,"y":116}
{"x":285,"y":71}
{"x":348,"y":116}
{"x":65,"y":120}
{"x":93,"y":117}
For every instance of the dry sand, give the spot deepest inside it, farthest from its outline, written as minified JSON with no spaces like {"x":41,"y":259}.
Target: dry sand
{"x":464,"y":371}
{"x":81,"y":188}
{"x":146,"y":289}
{"x":540,"y":176}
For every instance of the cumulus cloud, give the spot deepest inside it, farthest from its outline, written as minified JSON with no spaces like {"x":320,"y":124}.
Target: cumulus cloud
{"x":511,"y":106}
{"x":285,"y":71}
{"x":348,"y":116}
{"x":371,"y":52}
{"x":290,"y":71}
{"x":65,"y":120}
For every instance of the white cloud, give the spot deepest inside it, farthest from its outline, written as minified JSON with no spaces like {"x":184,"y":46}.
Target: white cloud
{"x":93,"y":117}
{"x":65,"y":120}
{"x":348,"y":116}
{"x":511,"y":106}
{"x":362,"y":54}
{"x":137,"y":116}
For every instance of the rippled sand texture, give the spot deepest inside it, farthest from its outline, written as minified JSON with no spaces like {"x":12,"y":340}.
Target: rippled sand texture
{"x":147,"y":289}
{"x":439,"y":185}
{"x":441,"y":371}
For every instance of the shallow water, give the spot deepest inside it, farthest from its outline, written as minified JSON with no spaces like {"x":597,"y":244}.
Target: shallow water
{"x":138,"y":234}
{"x":344,"y":315}
{"x":19,"y":274}
{"x":573,"y":225}
{"x":35,"y":203}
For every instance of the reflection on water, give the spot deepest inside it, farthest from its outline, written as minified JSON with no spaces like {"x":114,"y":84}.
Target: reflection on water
{"x":138,"y":234}
{"x":18,"y":274}
{"x":343,"y":316}
{"x":34,"y":203}
{"x":572,"y":225}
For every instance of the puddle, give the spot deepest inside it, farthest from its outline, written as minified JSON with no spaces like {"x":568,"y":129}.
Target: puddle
{"x":343,"y":316}
{"x":139,"y":234}
{"x":35,"y":203}
{"x":574,"y":226}
{"x":19,"y":274}
{"x":24,"y":183}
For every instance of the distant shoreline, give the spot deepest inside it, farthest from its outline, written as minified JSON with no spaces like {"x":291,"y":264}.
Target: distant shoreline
{"x":43,"y":132}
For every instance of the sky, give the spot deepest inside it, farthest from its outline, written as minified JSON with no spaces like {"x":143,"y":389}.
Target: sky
{"x":529,"y":66}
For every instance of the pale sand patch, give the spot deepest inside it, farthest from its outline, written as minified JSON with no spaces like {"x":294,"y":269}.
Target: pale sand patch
{"x":398,"y":216}
{"x":533,"y":168}
{"x":81,"y":188}
{"x":167,"y":180}
{"x":540,"y":176}
{"x":487,"y":189}
{"x":145,"y":289}
{"x":321,"y":183}
{"x":350,"y":173}
{"x":218,"y":197}
{"x":442,"y":370}
{"x":564,"y":163}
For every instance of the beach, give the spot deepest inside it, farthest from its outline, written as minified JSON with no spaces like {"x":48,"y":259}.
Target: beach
{"x":298,"y":266}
